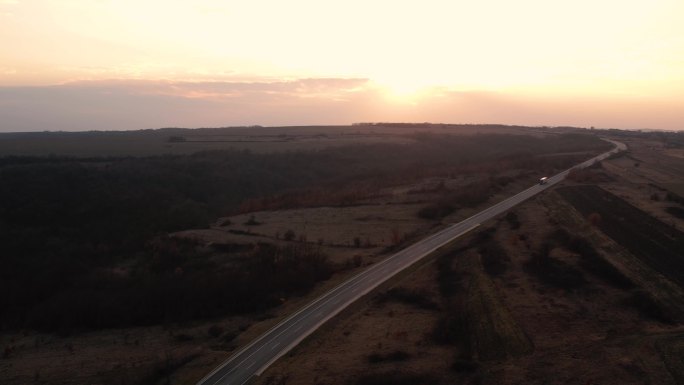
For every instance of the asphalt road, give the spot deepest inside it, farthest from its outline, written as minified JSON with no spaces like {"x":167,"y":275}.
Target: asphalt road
{"x":254,"y":358}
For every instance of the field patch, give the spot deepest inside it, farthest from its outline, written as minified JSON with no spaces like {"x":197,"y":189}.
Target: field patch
{"x":658,"y":245}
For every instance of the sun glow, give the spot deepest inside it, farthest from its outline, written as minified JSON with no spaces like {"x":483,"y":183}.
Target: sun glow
{"x":405,"y":89}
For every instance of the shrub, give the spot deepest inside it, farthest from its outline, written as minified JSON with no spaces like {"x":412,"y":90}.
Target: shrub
{"x":395,"y":356}
{"x":494,"y":258}
{"x":448,"y":279}
{"x":676,"y":211}
{"x":252,"y":221}
{"x":649,"y":307}
{"x":183,"y":337}
{"x":594,"y":263}
{"x":554,"y":272}
{"x":289,"y":235}
{"x":513,"y":221}
{"x":464,"y":366}
{"x":436,"y":210}
{"x":215,"y":331}
{"x":417,"y":298}
{"x":590,"y":259}
{"x":357,"y":242}
{"x":452,"y":329}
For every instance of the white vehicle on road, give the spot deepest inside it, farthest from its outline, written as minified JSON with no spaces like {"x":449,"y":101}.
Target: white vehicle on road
{"x":543,"y":180}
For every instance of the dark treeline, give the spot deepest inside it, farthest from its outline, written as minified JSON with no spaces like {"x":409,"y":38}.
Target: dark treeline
{"x":674,"y":139}
{"x":67,"y":225}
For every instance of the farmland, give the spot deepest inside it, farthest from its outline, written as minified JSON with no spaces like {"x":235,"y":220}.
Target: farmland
{"x":660,"y":246}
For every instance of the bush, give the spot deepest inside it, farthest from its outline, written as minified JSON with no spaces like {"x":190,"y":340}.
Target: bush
{"x":252,"y":221}
{"x":649,"y":307}
{"x":590,"y":259}
{"x":594,"y":263}
{"x":676,"y":211}
{"x":494,"y":258}
{"x":513,"y":221}
{"x":452,"y":329}
{"x":464,"y":366}
{"x":672,"y":197}
{"x":418,"y":298}
{"x":436,"y":211}
{"x":395,"y":356}
{"x":215,"y":331}
{"x":289,"y":235}
{"x":448,"y":279}
{"x":553,"y":272}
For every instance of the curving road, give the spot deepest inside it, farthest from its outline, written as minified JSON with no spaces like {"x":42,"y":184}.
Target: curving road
{"x":254,"y":358}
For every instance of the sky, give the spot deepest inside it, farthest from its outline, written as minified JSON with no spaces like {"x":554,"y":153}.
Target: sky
{"x":125,"y":64}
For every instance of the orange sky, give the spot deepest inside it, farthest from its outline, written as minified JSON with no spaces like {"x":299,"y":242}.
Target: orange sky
{"x":583,"y":62}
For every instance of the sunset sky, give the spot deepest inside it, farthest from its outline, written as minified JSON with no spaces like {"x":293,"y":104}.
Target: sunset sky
{"x":124,"y":64}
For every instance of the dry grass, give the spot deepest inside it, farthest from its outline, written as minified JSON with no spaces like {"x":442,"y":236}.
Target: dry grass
{"x":494,"y":332}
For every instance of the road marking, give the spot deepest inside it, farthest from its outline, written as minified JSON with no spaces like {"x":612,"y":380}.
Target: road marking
{"x":275,"y":345}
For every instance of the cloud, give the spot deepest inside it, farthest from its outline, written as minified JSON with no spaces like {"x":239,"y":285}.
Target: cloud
{"x":139,"y":104}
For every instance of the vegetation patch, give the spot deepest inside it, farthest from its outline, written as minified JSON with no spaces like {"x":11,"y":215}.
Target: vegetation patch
{"x":476,"y":321}
{"x":513,"y":220}
{"x":494,"y":332}
{"x":650,"y":307}
{"x":676,"y":211}
{"x":554,"y":272}
{"x":181,"y":284}
{"x":464,"y":366}
{"x":418,"y":298}
{"x":494,"y":258}
{"x":590,"y":259}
